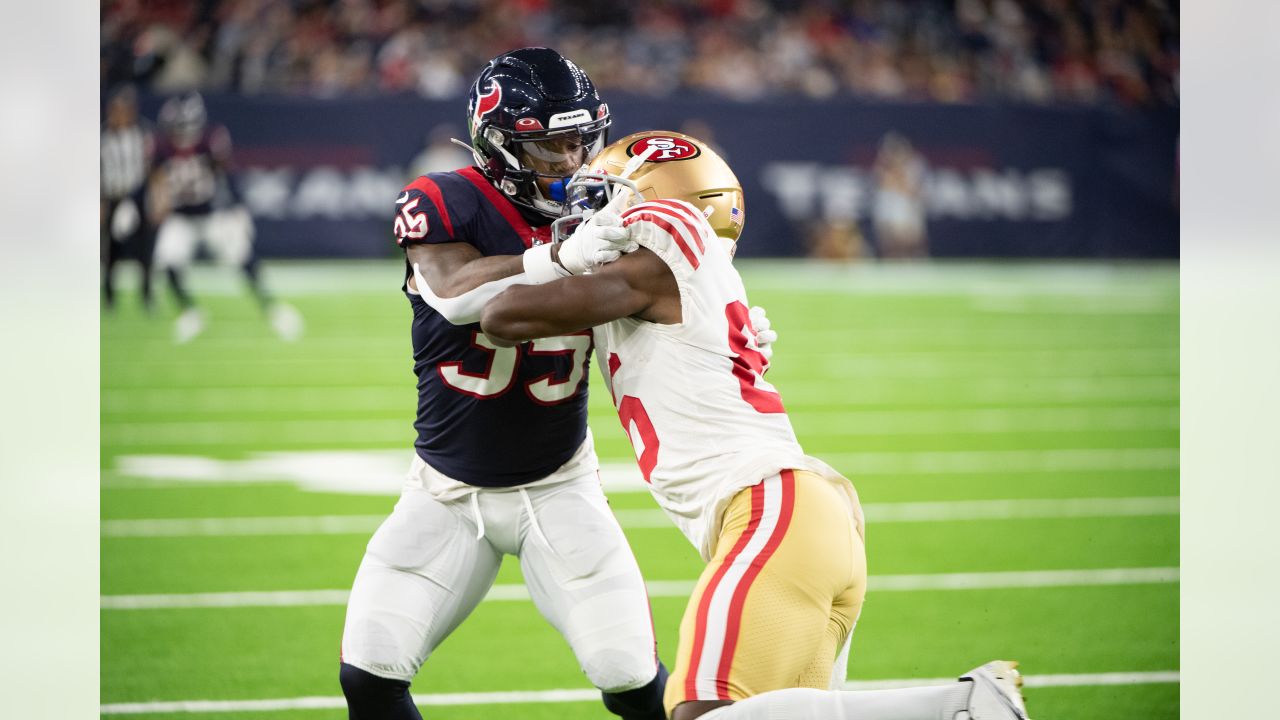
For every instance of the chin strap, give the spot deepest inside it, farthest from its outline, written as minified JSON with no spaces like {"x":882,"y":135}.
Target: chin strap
{"x":475,"y":155}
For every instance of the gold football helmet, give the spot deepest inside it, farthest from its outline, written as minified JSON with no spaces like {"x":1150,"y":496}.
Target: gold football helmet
{"x":663,"y":165}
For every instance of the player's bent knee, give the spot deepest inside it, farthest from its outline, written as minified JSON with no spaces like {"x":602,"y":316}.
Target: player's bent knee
{"x":360,"y":684}
{"x":640,"y":703}
{"x":615,"y":671}
{"x":373,"y":697}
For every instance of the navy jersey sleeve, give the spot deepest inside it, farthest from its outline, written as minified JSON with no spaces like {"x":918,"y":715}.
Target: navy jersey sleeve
{"x":435,"y":208}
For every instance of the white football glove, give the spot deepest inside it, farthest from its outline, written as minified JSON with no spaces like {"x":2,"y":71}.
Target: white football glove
{"x":765,"y":337}
{"x":600,"y":240}
{"x":125,"y":220}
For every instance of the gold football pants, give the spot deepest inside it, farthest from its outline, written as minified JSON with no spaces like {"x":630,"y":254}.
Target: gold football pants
{"x":775,"y":604}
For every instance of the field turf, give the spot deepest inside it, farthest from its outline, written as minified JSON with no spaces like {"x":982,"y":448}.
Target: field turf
{"x":1011,"y":429}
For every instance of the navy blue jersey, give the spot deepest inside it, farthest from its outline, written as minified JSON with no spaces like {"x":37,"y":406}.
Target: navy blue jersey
{"x":487,"y":416}
{"x":194,"y":169}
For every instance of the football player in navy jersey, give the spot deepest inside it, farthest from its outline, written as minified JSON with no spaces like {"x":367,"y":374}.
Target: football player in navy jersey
{"x":504,"y":460}
{"x":192,"y":159}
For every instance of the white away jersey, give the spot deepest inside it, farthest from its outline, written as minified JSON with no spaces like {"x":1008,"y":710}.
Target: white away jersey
{"x":703,"y":421}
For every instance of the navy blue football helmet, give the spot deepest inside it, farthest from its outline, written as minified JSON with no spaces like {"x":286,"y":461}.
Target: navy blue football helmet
{"x":183,"y":117}
{"x":534,"y":115}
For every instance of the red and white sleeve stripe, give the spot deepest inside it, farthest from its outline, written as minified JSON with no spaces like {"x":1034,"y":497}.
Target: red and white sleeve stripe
{"x":680,"y":220}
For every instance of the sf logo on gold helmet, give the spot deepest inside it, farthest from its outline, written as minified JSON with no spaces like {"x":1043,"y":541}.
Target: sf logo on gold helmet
{"x":665,"y":148}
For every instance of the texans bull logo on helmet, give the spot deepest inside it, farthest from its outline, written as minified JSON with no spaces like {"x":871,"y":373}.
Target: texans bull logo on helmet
{"x":486,"y":103}
{"x":665,"y":149}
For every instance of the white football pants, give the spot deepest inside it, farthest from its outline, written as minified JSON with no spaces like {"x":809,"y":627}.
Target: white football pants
{"x":431,"y":562}
{"x":227,"y":234}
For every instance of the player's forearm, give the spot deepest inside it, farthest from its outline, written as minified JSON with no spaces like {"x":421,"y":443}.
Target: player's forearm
{"x":526,"y":312}
{"x":507,"y":333}
{"x":463,"y":309}
{"x":514,"y":317}
{"x":454,"y":269}
{"x":480,"y":271}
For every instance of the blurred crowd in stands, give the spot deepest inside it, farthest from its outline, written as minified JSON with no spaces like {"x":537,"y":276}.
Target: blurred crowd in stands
{"x":1038,"y":51}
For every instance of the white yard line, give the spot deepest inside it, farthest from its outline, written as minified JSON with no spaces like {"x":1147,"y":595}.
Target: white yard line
{"x":846,"y":423}
{"x":277,"y":598}
{"x":1157,"y":394}
{"x":325,"y":432}
{"x":1022,"y":579}
{"x":840,"y":424}
{"x":814,"y":424}
{"x":1020,"y":509}
{"x":959,"y":510}
{"x":1003,"y":461}
{"x":959,"y":365}
{"x":810,"y":393}
{"x":1034,"y":681}
{"x":815,"y":395}
{"x":382,"y":472}
{"x":590,"y":695}
{"x":1056,"y":279}
{"x":678,"y":588}
{"x":240,"y":526}
{"x":877,"y":514}
{"x":1153,"y":304}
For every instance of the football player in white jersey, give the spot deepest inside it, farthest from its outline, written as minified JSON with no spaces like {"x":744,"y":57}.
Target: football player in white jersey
{"x":766,"y":632}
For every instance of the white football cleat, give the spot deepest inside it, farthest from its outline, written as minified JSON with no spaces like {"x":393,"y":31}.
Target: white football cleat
{"x":995,"y":694}
{"x":286,"y":321}
{"x":189,"y":324}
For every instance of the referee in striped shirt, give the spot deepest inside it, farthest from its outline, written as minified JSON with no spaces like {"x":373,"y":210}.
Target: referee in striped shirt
{"x":127,"y":222}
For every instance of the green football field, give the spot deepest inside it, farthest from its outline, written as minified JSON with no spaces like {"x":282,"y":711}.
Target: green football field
{"x":1012,"y":431}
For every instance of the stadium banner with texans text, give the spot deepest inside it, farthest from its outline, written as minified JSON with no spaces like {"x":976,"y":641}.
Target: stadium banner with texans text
{"x":321,"y":176}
